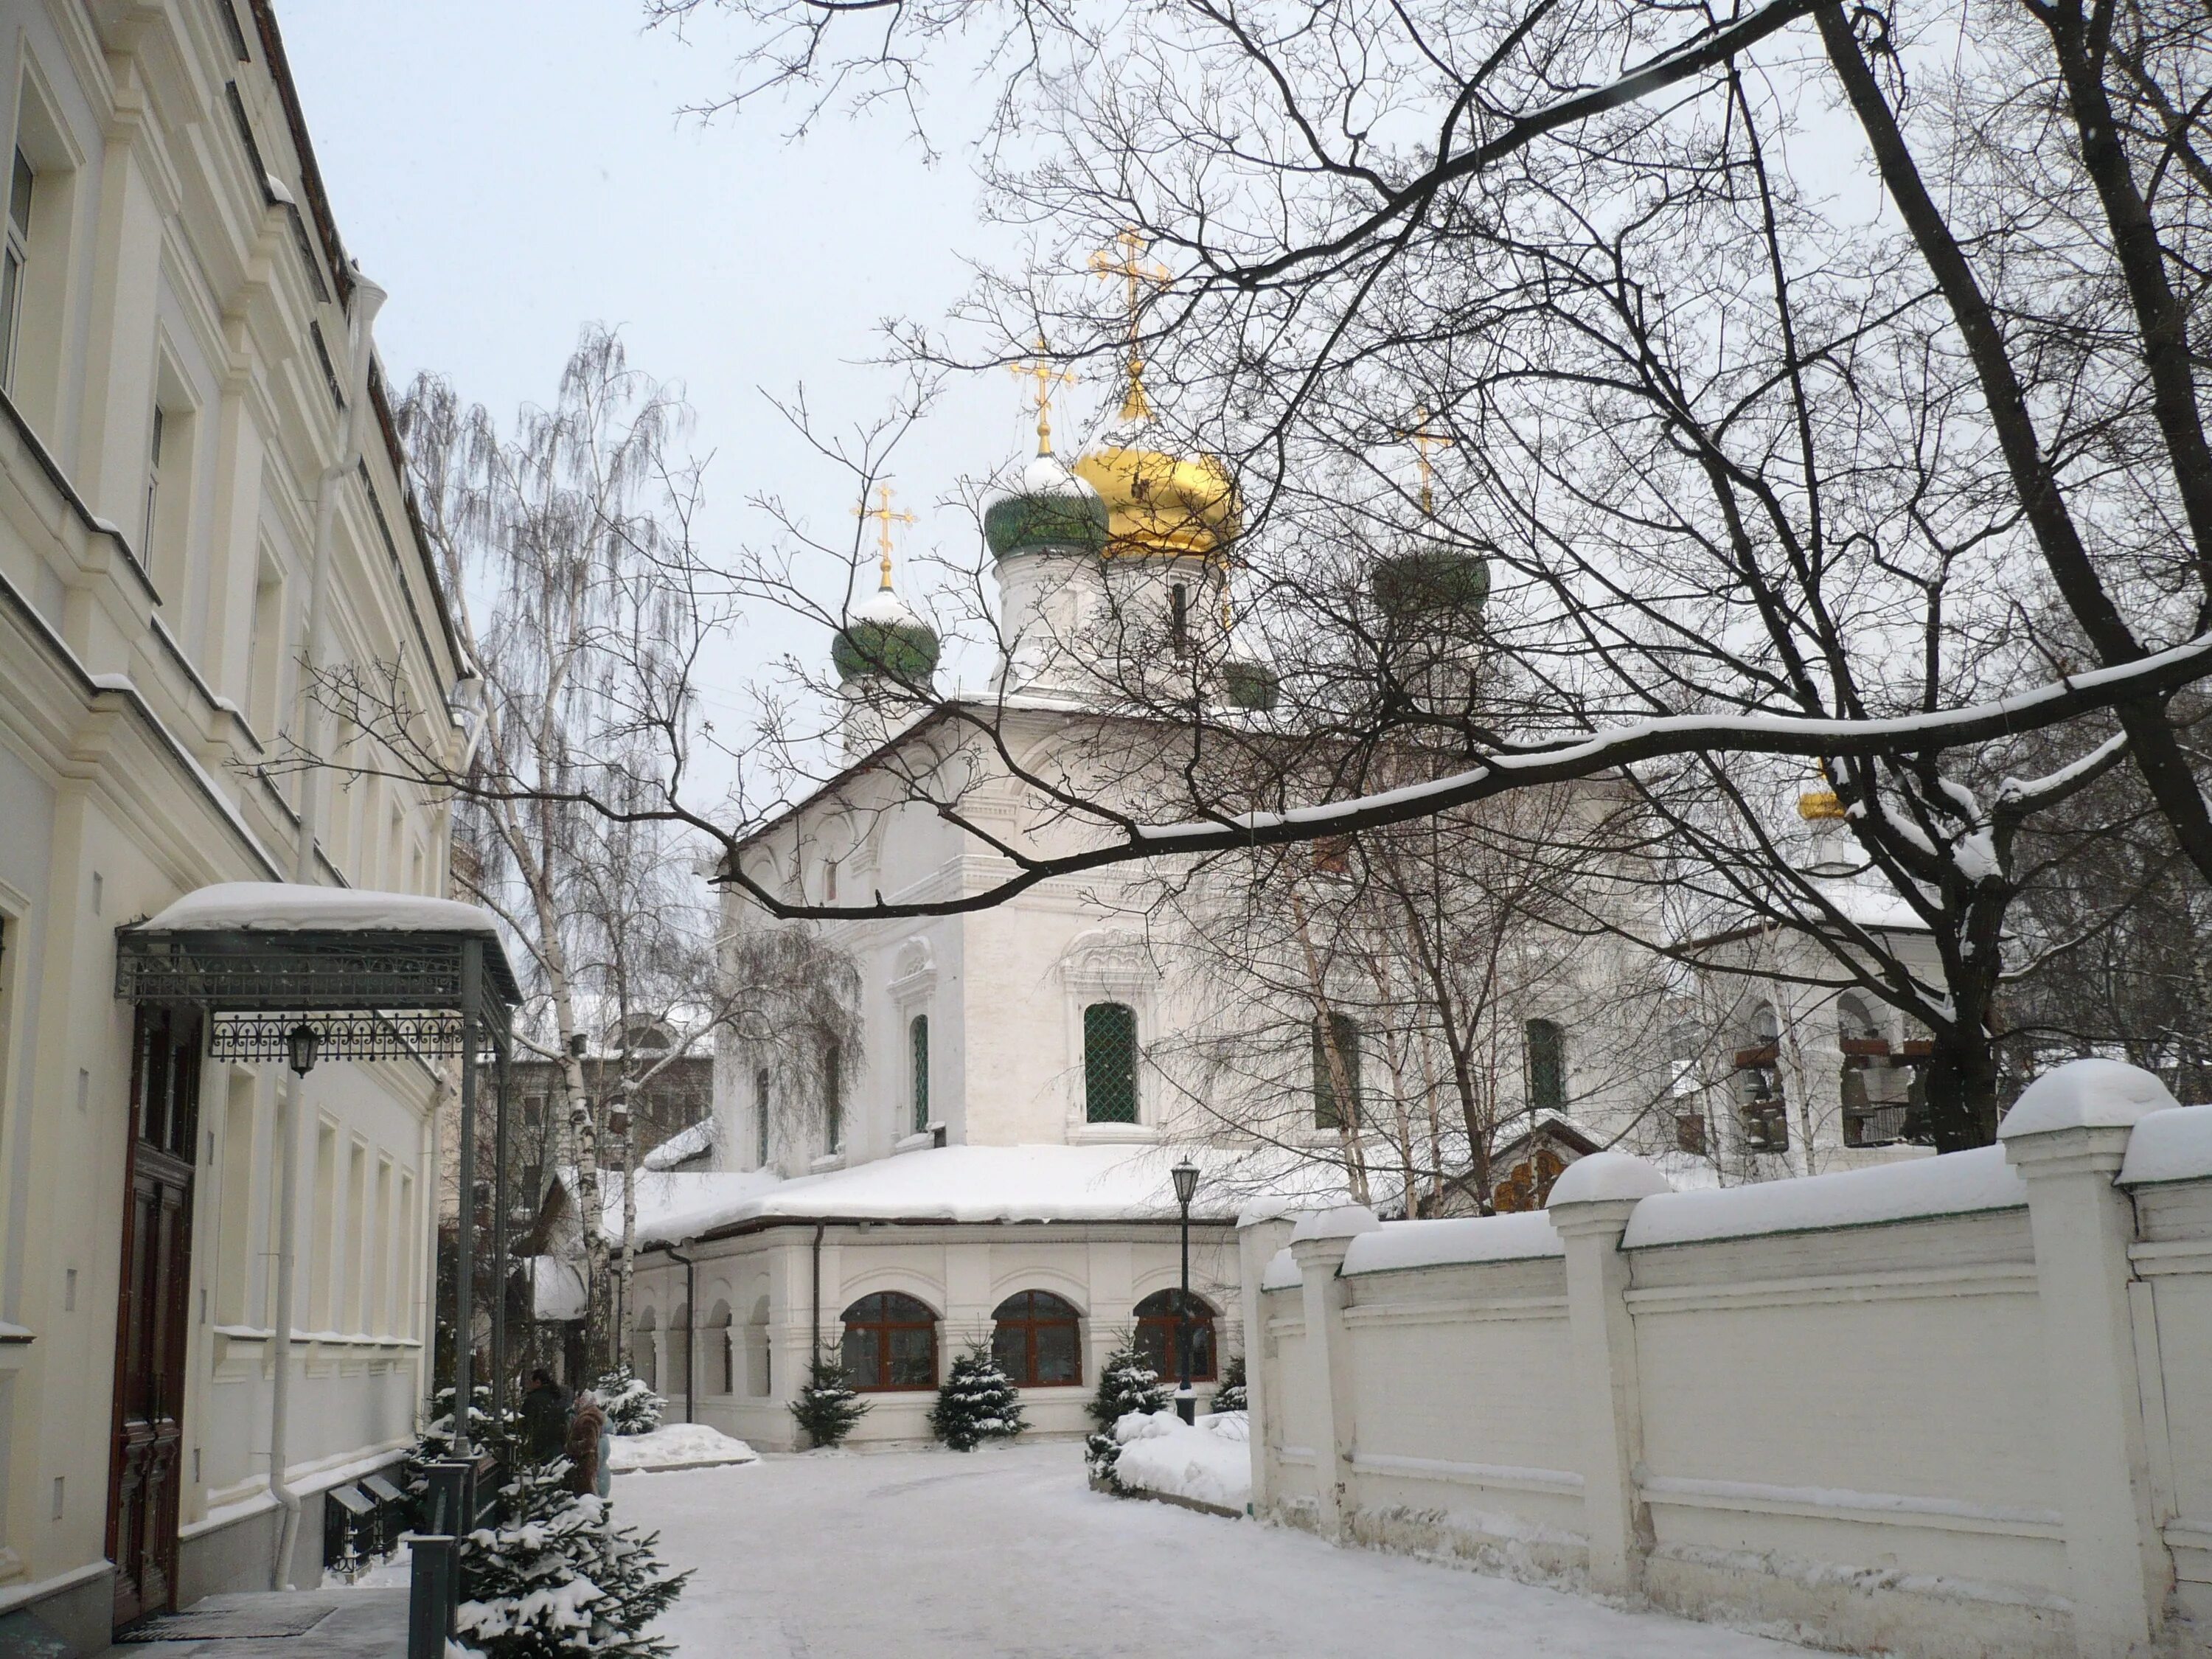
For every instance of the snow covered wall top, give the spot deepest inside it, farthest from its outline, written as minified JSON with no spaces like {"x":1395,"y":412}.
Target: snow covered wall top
{"x":2175,"y":1144}
{"x":286,"y":906}
{"x":1460,"y":1239}
{"x":1957,"y":1183}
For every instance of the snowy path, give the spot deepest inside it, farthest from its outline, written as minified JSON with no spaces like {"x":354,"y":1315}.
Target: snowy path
{"x":1004,"y":1554}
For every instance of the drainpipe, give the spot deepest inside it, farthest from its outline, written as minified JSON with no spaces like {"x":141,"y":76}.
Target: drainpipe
{"x":814,"y":1352}
{"x":368,"y":298}
{"x":691,"y":1328}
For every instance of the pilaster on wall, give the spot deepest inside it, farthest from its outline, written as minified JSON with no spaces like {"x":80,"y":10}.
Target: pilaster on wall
{"x":1318,"y":1243}
{"x":1257,"y":1241}
{"x":2068,"y":1137}
{"x":1589,"y":1209}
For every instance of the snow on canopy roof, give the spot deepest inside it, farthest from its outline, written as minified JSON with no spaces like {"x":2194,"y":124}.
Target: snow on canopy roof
{"x":948,"y":1184}
{"x":288,"y":907}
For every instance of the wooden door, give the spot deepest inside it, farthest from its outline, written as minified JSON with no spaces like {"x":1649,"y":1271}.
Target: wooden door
{"x":152,"y":1308}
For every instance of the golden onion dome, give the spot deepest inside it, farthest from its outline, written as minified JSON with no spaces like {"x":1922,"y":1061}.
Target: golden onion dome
{"x":1159,"y":504}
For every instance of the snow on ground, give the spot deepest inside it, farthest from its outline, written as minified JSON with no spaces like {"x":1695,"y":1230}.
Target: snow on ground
{"x":1005,"y":1553}
{"x":1210,"y":1460}
{"x":676,"y":1446}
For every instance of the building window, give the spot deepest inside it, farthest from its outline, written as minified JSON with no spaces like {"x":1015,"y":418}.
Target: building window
{"x":890,"y":1343}
{"x":1156,"y":1336}
{"x":1336,"y":1044}
{"x":1035,"y":1340}
{"x":760,"y":1119}
{"x":153,"y":481}
{"x":1759,"y":1085}
{"x":1179,"y":618}
{"x":917,"y":1045}
{"x":1547,"y":1066}
{"x":15,"y":256}
{"x":833,"y":1099}
{"x":1110,"y":1063}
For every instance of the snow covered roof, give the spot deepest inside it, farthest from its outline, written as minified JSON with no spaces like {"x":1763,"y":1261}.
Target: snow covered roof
{"x":557,"y":1288}
{"x":682,"y":1147}
{"x":949,"y":1184}
{"x":288,"y":907}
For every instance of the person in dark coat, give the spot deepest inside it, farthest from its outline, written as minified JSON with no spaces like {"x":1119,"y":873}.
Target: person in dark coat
{"x":544,"y":1417}
{"x":586,"y":1448}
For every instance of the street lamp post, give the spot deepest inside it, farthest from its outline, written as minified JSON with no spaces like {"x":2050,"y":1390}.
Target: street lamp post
{"x":1186,"y":1188}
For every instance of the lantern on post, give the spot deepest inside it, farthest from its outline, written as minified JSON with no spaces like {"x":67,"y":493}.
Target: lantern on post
{"x":1186,"y":1188}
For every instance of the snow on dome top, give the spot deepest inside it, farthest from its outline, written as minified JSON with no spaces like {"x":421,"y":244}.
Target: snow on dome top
{"x":1050,"y":507}
{"x":2085,"y":1094}
{"x":1048,"y":475}
{"x":284,"y":907}
{"x":1607,"y":1175}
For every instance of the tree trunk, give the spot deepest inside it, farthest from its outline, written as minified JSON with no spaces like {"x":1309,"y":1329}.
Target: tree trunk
{"x":1961,"y":1085}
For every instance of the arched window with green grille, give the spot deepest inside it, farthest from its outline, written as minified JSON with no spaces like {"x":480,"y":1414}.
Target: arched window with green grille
{"x":1341,"y":1033}
{"x":917,"y":1044}
{"x":1110,"y":1063}
{"x":1547,"y":1066}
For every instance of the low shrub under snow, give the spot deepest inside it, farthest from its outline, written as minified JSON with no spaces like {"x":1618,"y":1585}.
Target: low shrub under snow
{"x":1209,"y":1461}
{"x":676,"y":1446}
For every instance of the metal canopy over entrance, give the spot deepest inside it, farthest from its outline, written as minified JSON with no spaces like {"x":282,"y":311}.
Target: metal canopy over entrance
{"x":372,"y":976}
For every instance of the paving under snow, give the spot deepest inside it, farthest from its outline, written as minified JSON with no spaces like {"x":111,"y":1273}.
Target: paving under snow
{"x":1005,"y":1551}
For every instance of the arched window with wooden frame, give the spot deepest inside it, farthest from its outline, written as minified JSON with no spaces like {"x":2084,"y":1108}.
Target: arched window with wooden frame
{"x":1110,"y":1063}
{"x":891,"y":1344}
{"x":1036,"y":1338}
{"x":1155,"y":1336}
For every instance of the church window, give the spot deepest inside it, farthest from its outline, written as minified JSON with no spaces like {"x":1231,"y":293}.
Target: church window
{"x":760,"y":1118}
{"x":890,"y":1343}
{"x":1547,"y":1066}
{"x":1156,"y":1326}
{"x":833,"y":1098}
{"x":1036,"y":1341}
{"x":1179,"y":618}
{"x":15,"y":255}
{"x":1341,"y":1034}
{"x":1110,"y":1063}
{"x":917,"y":1042}
{"x":830,"y":881}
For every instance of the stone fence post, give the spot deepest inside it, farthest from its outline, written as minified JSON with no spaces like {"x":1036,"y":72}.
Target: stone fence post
{"x":1589,"y":1207}
{"x":1318,"y":1243}
{"x":2067,"y":1136}
{"x":1257,"y":1241}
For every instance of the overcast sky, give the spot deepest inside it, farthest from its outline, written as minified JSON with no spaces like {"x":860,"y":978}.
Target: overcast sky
{"x":510,"y":169}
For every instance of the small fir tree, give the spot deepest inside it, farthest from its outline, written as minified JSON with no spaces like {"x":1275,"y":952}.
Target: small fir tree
{"x":977,"y":1402}
{"x":631,"y":1407}
{"x":1126,"y":1384}
{"x":556,"y":1579}
{"x":827,"y":1408}
{"x":1230,"y":1396}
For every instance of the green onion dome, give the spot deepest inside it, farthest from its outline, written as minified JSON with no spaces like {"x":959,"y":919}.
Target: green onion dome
{"x":1250,"y":683}
{"x":1050,"y":507}
{"x":1425,"y":582}
{"x":884,"y":638}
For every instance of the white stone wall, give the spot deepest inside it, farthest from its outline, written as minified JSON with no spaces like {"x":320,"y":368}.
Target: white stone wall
{"x":144,"y":678}
{"x":1931,"y":1409}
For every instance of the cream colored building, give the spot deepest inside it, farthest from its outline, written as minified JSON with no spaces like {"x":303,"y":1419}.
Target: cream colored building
{"x":182,"y":346}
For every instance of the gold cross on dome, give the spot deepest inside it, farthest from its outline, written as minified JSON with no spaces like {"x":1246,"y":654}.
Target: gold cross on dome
{"x":1135,"y":271}
{"x":884,"y":518}
{"x":1045,"y":375}
{"x":1424,"y":440}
